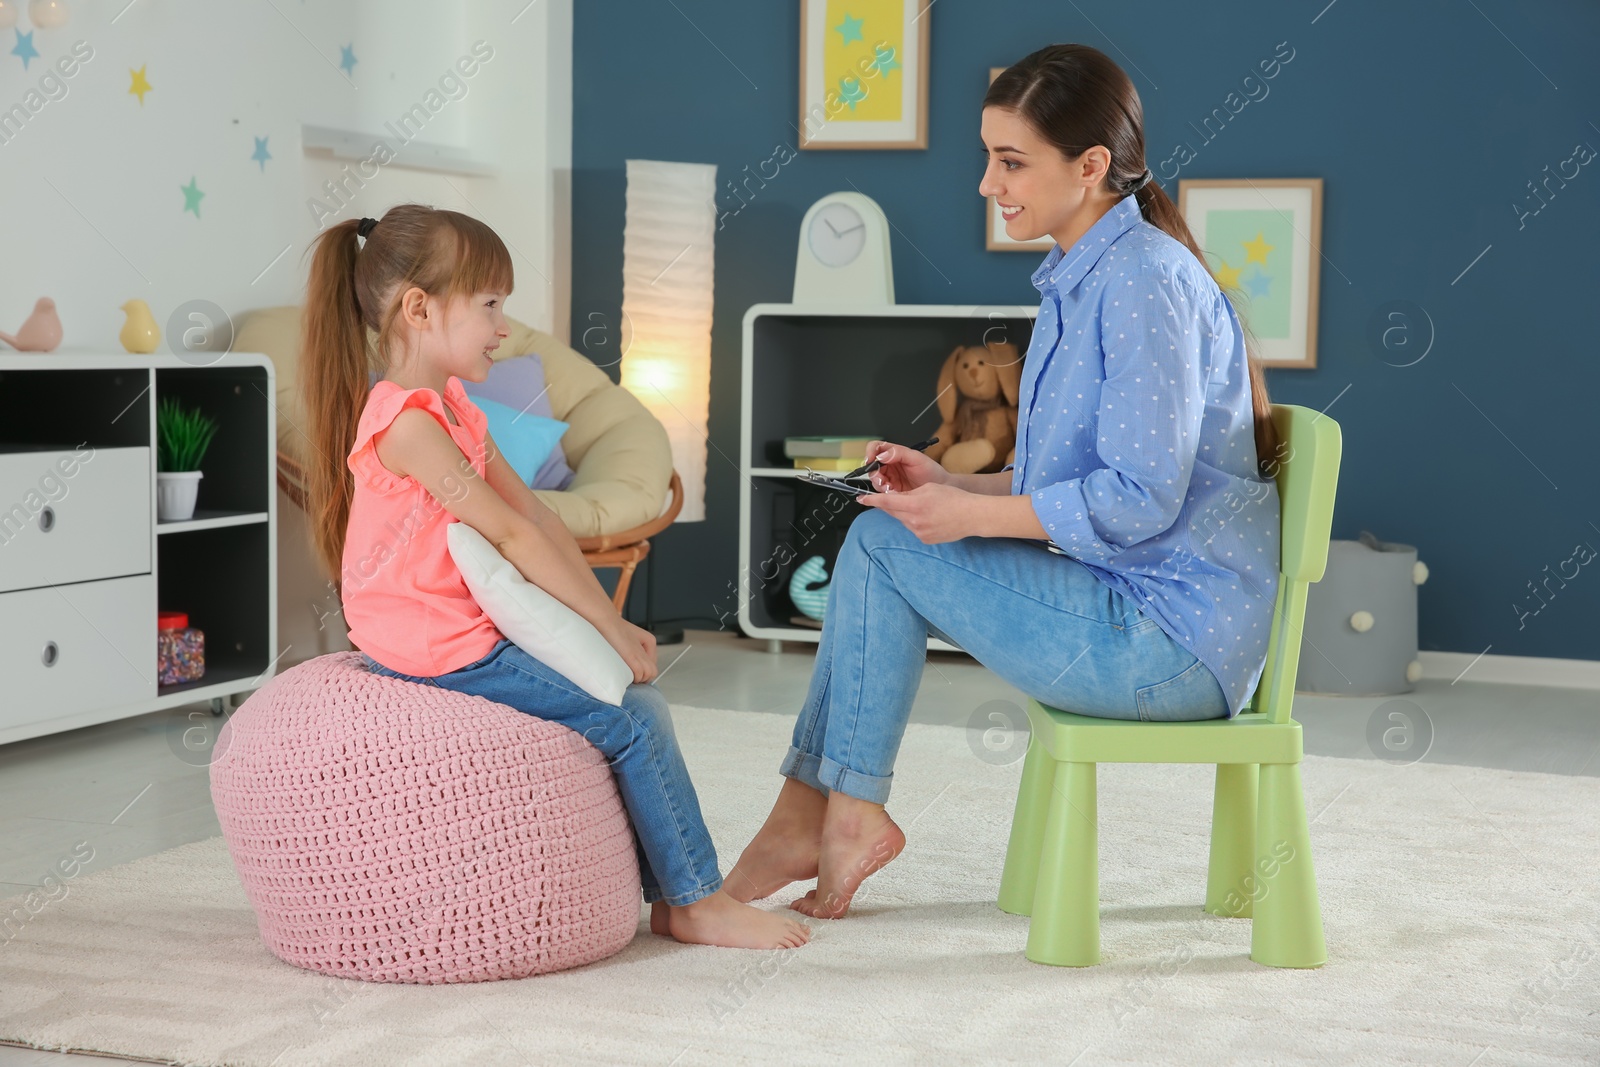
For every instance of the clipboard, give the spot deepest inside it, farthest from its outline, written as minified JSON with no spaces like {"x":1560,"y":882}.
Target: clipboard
{"x":811,"y":477}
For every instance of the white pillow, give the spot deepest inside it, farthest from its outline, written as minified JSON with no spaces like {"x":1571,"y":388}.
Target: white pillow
{"x":537,"y":622}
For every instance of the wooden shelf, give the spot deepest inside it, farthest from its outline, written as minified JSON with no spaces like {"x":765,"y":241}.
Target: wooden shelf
{"x":207,"y":519}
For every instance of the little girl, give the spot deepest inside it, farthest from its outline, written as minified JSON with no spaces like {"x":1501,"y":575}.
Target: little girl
{"x":431,"y":285}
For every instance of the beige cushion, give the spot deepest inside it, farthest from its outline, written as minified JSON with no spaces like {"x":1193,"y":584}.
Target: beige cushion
{"x":617,"y":449}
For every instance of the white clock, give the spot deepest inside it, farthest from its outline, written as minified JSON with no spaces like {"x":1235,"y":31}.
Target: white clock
{"x":844,"y":253}
{"x":837,"y":234}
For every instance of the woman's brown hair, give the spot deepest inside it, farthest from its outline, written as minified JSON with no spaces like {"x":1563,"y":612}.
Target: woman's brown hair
{"x":354,"y":288}
{"x":1075,"y":97}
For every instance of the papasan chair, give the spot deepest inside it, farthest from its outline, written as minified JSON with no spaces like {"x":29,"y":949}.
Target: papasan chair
{"x":623,"y":490}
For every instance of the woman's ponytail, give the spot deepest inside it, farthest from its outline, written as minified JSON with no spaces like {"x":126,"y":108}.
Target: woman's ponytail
{"x":333,"y":376}
{"x":1159,"y":210}
{"x":1072,"y":95}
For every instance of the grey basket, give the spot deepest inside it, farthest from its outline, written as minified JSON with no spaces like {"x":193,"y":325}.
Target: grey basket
{"x":1361,"y":621}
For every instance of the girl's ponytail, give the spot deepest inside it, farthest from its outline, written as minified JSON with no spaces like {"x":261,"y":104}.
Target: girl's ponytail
{"x":353,"y":292}
{"x":333,"y":386}
{"x":1072,"y":95}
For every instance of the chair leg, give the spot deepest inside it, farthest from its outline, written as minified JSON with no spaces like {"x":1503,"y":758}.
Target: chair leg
{"x":619,"y":599}
{"x":1021,"y":871}
{"x":1065,"y":929}
{"x":1233,"y":841}
{"x":1287,"y":929}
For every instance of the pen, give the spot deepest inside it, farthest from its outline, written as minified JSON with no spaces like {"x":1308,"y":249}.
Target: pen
{"x":875,"y":464}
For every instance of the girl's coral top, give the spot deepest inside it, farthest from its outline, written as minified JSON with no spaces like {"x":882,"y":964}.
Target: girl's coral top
{"x":404,"y":598}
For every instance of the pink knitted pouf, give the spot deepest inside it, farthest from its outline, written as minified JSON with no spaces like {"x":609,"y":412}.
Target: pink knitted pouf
{"x":398,"y":832}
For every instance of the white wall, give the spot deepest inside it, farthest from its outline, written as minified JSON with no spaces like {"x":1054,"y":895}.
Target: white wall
{"x":92,"y":212}
{"x":91,"y":209}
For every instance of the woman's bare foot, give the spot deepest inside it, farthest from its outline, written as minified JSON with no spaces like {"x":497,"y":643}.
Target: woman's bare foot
{"x":787,"y":847}
{"x":858,"y":838}
{"x":718,"y":919}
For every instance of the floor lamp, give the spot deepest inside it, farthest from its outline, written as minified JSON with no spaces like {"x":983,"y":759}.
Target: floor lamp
{"x":667,"y":243}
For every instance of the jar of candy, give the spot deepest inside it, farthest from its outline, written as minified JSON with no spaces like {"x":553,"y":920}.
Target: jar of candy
{"x":181,"y":649}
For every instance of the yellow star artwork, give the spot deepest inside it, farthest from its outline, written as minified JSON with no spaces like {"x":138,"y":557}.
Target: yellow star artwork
{"x":1227,"y":277}
{"x":139,"y":86}
{"x":1256,"y":251}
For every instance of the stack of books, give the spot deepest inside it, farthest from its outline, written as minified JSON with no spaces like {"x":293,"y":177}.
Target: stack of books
{"x":827,"y":453}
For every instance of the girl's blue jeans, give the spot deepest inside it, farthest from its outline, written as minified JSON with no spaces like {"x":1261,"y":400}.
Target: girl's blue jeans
{"x":1041,"y":621}
{"x":677,"y":861}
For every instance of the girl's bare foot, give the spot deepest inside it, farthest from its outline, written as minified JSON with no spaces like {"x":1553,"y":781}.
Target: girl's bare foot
{"x":858,"y":838}
{"x":718,"y":919}
{"x":787,"y":847}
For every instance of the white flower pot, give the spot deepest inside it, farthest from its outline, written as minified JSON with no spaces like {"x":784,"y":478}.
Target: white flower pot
{"x":175,"y":494}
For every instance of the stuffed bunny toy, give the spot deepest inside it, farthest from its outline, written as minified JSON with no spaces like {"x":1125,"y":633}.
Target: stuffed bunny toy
{"x":978,"y":387}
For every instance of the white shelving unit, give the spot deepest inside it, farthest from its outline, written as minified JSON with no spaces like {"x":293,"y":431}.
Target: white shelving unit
{"x":84,"y":564}
{"x":210,"y":520}
{"x":834,"y":369}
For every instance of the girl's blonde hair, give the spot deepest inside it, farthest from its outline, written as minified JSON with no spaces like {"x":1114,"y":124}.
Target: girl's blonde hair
{"x":355,"y":288}
{"x":1074,"y":97}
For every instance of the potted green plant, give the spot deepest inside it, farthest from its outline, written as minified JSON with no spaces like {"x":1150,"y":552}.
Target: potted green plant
{"x":182,"y":439}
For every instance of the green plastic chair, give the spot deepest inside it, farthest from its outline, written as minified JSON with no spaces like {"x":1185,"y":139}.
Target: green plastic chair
{"x":1260,"y":844}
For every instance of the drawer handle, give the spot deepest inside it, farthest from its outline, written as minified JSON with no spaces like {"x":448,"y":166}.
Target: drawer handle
{"x":52,"y":652}
{"x":47,"y":519}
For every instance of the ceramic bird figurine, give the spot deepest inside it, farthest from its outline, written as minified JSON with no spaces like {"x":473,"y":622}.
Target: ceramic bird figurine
{"x":42,"y":331}
{"x":140,"y":334}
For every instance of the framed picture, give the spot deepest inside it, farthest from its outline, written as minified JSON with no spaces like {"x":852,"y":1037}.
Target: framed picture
{"x":995,"y":239}
{"x":1262,"y":238}
{"x":864,"y":73}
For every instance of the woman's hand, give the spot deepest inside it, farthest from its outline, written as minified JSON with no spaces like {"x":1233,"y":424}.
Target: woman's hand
{"x":935,"y":512}
{"x":636,"y":646}
{"x":904,"y":469}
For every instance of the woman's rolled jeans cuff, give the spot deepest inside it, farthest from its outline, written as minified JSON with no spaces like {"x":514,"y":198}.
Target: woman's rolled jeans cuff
{"x":825,"y":776}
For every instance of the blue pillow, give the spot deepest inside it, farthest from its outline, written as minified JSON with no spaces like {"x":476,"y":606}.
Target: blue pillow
{"x":526,"y":440}
{"x":519,"y":382}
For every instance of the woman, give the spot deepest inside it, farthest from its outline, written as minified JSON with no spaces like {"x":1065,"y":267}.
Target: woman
{"x":1125,"y":567}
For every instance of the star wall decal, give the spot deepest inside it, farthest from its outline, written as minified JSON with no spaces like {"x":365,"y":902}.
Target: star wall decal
{"x":191,"y":197}
{"x":138,"y":85}
{"x":24,"y":48}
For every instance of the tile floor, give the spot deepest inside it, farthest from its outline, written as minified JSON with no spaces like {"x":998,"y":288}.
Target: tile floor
{"x":132,"y":788}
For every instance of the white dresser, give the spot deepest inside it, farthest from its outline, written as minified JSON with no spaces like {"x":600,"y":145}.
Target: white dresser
{"x":85,"y":566}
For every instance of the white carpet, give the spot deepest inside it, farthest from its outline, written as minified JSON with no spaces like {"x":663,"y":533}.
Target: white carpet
{"x":1460,"y":906}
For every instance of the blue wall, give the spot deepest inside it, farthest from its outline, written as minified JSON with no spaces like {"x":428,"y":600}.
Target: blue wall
{"x":1426,"y":121}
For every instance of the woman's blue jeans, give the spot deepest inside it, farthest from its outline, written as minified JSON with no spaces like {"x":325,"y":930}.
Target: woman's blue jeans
{"x":1041,"y":621}
{"x":677,"y":861}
